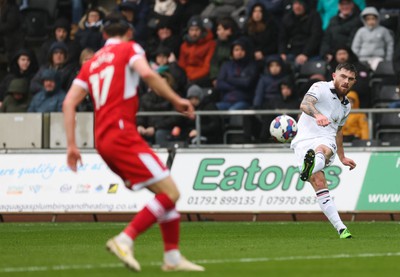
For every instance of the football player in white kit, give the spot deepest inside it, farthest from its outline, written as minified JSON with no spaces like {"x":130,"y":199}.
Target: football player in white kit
{"x":319,"y":139}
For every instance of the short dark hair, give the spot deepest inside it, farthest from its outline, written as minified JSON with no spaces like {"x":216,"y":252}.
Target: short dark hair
{"x":115,"y":24}
{"x":348,"y":66}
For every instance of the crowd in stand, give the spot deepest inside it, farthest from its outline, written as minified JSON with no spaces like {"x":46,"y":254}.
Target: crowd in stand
{"x":220,"y":54}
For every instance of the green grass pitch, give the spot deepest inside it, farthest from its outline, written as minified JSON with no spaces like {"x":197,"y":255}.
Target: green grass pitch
{"x":224,"y":248}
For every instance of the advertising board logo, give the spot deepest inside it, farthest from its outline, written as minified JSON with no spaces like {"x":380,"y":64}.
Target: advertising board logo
{"x":65,"y":188}
{"x":112,"y":188}
{"x":213,"y":174}
{"x":35,"y":188}
{"x":15,"y":190}
{"x":83,"y":188}
{"x":99,"y":188}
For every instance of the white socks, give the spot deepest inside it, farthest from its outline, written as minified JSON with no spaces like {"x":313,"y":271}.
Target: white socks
{"x":172,"y":257}
{"x":125,"y":239}
{"x":319,"y":162}
{"x":329,"y":209}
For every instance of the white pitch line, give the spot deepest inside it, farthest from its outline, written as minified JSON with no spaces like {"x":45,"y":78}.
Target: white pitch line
{"x":221,"y":261}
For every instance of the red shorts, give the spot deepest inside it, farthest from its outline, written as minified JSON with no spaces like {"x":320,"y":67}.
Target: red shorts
{"x":130,"y":157}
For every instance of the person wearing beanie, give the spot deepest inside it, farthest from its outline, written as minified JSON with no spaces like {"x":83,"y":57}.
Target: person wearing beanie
{"x":50,"y":98}
{"x":373,"y":42}
{"x":18,"y":97}
{"x":60,"y":33}
{"x":210,"y":126}
{"x":196,"y":52}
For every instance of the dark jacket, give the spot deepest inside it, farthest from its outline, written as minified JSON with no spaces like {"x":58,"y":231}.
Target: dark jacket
{"x":340,"y":32}
{"x":11,"y":28}
{"x":12,"y":105}
{"x":301,"y":35}
{"x":236,"y":79}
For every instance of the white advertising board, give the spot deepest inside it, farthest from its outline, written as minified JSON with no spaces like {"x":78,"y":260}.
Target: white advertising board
{"x":44,"y":183}
{"x":259,"y":182}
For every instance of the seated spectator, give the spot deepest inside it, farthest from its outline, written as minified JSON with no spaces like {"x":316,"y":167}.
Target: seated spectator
{"x":356,"y":126}
{"x":86,"y":105}
{"x":163,"y":125}
{"x":18,"y":98}
{"x":22,"y":65}
{"x":262,"y":31}
{"x":227,"y":31}
{"x":274,"y":7}
{"x":221,"y":8}
{"x":166,"y":36}
{"x":237,"y":78}
{"x":61,"y":33}
{"x":341,"y":29}
{"x":11,"y":35}
{"x":210,"y":126}
{"x":136,"y":12}
{"x":165,"y":62}
{"x":329,"y":9}
{"x":50,"y":98}
{"x":300,"y":34}
{"x":269,"y":81}
{"x":344,"y":54}
{"x":186,"y":9}
{"x":57,"y":60}
{"x":89,"y":32}
{"x":372,"y":43}
{"x":196,"y":52}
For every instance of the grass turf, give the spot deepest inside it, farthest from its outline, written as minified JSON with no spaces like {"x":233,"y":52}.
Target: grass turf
{"x":224,"y":248}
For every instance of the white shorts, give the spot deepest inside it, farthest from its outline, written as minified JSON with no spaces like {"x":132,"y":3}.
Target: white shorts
{"x":301,"y":147}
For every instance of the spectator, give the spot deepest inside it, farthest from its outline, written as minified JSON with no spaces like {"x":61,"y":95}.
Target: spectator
{"x":89,"y":32}
{"x":165,"y":62}
{"x":287,"y":99}
{"x":372,"y":43}
{"x":22,"y":65}
{"x":221,"y":8}
{"x":86,"y":105}
{"x":237,"y":78}
{"x":196,"y":52}
{"x":210,"y":126}
{"x":300,"y":34}
{"x":356,"y":126}
{"x":341,"y":29}
{"x":268,"y":84}
{"x":18,"y":98}
{"x":51,"y":97}
{"x":274,"y":7}
{"x":61,"y":33}
{"x":186,"y":9}
{"x":166,"y":35}
{"x":344,"y":54}
{"x":57,"y":60}
{"x":11,"y":35}
{"x":227,"y":31}
{"x":262,"y":31}
{"x":136,"y":12}
{"x":330,"y":8}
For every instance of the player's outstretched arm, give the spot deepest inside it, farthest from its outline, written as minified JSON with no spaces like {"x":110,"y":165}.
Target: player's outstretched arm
{"x":340,"y":150}
{"x":74,"y":96}
{"x":161,"y":87}
{"x":308,"y":107}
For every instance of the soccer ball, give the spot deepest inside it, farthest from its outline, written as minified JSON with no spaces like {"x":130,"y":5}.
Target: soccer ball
{"x":283,"y":128}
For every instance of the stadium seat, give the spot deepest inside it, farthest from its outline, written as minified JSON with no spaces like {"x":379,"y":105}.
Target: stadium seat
{"x":387,"y":126}
{"x":310,"y":68}
{"x":385,"y":95}
{"x":23,"y":130}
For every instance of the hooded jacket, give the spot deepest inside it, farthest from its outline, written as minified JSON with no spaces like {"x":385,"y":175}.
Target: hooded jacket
{"x":195,"y":56}
{"x":357,"y":123}
{"x":12,"y":105}
{"x":372,"y":42}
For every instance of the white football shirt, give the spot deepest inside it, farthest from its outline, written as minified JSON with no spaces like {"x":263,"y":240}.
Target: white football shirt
{"x":328,"y":104}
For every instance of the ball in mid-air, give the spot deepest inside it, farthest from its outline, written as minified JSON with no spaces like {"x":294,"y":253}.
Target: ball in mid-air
{"x":283,"y":128}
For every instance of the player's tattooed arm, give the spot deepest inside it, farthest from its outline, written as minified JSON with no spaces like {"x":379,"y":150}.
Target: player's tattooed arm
{"x":308,"y":105}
